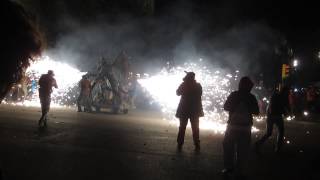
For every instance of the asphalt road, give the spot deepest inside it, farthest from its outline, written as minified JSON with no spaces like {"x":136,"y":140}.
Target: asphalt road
{"x":139,"y":145}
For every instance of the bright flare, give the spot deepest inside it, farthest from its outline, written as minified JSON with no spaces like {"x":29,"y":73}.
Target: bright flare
{"x":216,"y":87}
{"x":66,"y":76}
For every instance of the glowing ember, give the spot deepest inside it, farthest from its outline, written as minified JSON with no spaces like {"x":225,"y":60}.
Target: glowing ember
{"x":290,"y":118}
{"x":260,"y":118}
{"x":216,"y":87}
{"x":66,"y":76}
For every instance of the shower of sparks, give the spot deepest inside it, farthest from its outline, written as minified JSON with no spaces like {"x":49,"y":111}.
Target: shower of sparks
{"x":216,"y":87}
{"x":67,"y":78}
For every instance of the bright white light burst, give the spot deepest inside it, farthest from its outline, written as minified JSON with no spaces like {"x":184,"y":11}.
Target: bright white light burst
{"x":66,"y":76}
{"x":216,"y":87}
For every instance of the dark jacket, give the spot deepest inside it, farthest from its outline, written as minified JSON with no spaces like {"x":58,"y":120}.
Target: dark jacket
{"x":279,"y":104}
{"x":241,"y":105}
{"x":190,"y":103}
{"x":46,"y":83}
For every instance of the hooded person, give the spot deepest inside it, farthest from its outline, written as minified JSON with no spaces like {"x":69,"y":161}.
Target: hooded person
{"x":241,"y":105}
{"x":190,"y":107}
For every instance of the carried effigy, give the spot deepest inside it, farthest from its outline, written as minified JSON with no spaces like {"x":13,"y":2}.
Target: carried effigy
{"x":111,"y":85}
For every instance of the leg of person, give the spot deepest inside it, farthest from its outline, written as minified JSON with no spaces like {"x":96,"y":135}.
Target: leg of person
{"x":133,"y":105}
{"x":79,"y":103}
{"x":88,"y":104}
{"x":280,"y":137}
{"x":42,"y":103}
{"x":195,"y":132}
{"x":228,"y":151}
{"x":46,"y":109}
{"x":181,"y":133}
{"x":243,"y":151}
{"x":267,"y":134}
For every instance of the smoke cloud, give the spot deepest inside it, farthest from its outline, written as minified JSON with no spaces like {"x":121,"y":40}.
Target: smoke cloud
{"x":177,"y":34}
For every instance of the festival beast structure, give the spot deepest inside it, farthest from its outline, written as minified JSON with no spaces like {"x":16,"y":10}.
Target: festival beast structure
{"x":112,"y":85}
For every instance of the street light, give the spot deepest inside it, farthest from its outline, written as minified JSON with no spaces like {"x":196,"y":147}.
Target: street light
{"x":295,"y":63}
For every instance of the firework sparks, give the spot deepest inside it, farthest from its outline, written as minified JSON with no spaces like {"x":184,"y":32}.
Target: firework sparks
{"x":66,"y":76}
{"x":215,"y":84}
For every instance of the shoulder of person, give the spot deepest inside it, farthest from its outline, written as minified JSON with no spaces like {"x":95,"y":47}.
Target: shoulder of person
{"x":252,"y":95}
{"x":234,"y":93}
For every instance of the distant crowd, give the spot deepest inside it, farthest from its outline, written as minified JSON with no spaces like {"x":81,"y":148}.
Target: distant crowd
{"x":303,"y":102}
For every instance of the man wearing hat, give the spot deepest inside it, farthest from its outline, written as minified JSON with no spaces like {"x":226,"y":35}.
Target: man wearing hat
{"x":190,"y":107}
{"x":46,"y":82}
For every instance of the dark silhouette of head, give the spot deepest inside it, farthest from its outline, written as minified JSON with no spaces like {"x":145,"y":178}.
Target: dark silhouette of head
{"x":21,"y":41}
{"x":245,"y":84}
{"x":190,"y":76}
{"x":50,"y":72}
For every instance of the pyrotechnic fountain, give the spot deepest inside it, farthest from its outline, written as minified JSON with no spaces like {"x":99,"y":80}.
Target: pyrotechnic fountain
{"x":216,"y":87}
{"x":67,"y":78}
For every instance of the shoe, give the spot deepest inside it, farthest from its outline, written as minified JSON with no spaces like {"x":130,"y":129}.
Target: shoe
{"x":42,"y":123}
{"x":45,"y":122}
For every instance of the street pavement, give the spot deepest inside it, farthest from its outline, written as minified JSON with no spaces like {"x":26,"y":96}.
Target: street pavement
{"x":139,"y":145}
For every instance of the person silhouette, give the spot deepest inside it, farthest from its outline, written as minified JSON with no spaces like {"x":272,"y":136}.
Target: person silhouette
{"x":190,"y":107}
{"x":279,"y":105}
{"x":241,"y":105}
{"x":84,"y":98}
{"x":46,"y":83}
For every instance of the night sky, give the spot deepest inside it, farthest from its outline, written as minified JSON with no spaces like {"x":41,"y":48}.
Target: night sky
{"x":297,"y":20}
